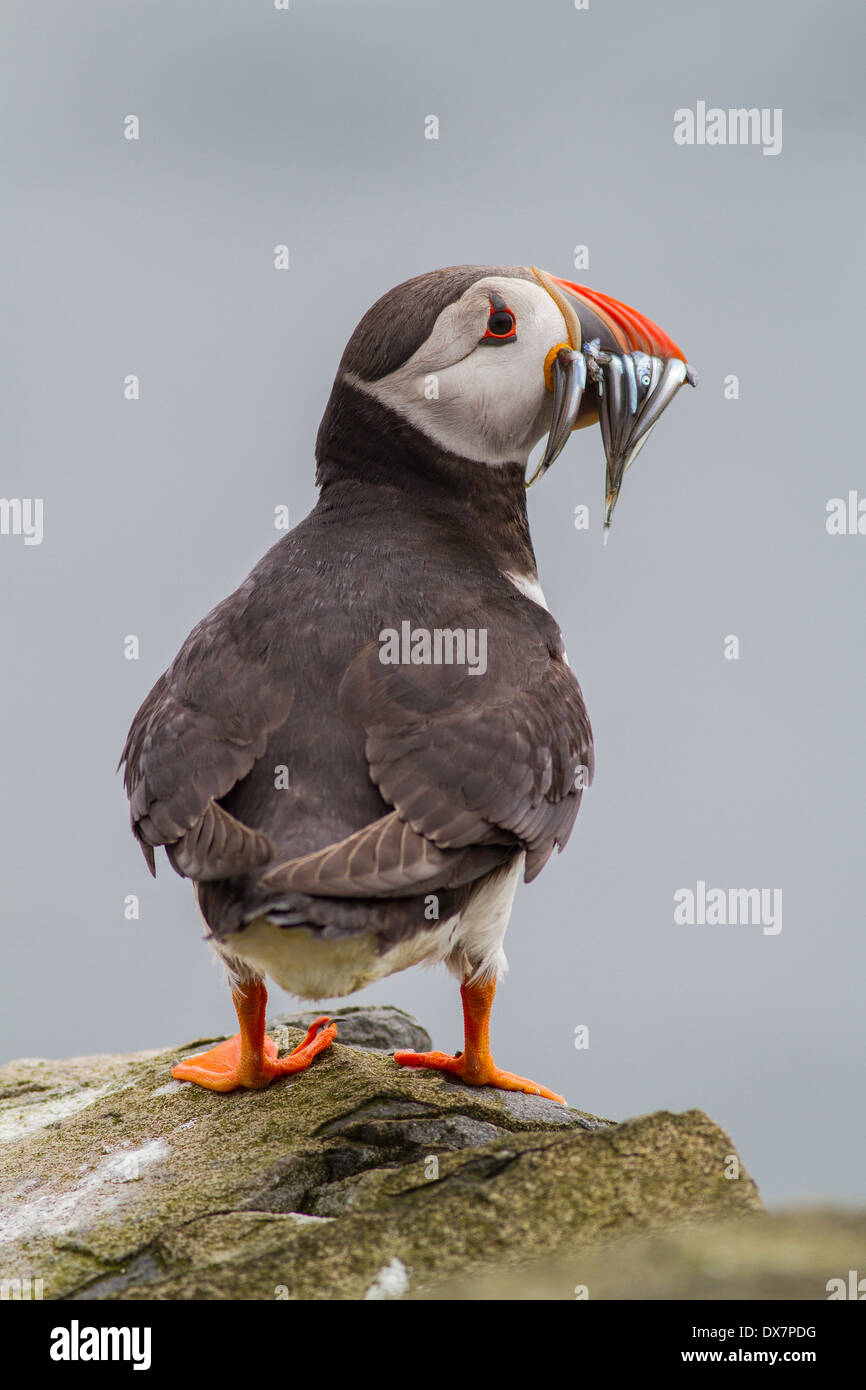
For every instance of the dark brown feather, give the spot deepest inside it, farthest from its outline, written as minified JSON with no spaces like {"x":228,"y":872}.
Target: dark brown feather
{"x":385,"y":859}
{"x":218,"y":846}
{"x":466,"y":759}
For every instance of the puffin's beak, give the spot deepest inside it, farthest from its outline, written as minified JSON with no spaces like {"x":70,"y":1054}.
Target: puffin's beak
{"x":635,"y":367}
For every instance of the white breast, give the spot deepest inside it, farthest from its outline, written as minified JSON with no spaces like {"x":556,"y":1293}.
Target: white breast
{"x":313,"y":966}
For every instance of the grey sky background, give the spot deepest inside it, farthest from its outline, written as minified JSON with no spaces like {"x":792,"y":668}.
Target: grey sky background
{"x":155,"y":257}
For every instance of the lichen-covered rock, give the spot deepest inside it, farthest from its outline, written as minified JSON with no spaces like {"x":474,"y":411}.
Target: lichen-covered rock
{"x":355,"y":1179}
{"x":791,"y":1255}
{"x":379,"y":1026}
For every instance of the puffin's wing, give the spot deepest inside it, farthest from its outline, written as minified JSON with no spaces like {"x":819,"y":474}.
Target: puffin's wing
{"x":386,"y":859}
{"x":194,"y":737}
{"x":467,"y":761}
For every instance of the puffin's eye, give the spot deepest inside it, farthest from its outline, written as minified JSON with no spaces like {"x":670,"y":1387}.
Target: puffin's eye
{"x":501,"y":325}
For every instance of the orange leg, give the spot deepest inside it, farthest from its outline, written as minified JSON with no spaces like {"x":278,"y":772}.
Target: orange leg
{"x":475,"y":1064}
{"x":249,"y":1058}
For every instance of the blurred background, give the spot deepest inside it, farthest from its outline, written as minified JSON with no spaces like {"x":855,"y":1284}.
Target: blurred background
{"x":155,"y":257}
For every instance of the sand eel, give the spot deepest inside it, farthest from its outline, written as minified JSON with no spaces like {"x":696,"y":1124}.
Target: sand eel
{"x":356,"y":755}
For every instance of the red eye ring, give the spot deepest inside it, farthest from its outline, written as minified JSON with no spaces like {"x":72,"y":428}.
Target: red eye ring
{"x":501,"y":323}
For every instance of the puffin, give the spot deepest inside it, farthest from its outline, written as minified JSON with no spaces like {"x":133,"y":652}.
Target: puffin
{"x":356,"y":755}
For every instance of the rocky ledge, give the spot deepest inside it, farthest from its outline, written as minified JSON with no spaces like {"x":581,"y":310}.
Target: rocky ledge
{"x":355,"y":1179}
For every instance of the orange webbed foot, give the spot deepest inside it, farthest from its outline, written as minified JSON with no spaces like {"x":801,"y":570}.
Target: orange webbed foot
{"x":475,"y":1064}
{"x":234,"y":1063}
{"x":485,"y":1074}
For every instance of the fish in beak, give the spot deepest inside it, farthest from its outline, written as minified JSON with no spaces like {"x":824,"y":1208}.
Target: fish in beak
{"x":568,"y":369}
{"x":634,"y":368}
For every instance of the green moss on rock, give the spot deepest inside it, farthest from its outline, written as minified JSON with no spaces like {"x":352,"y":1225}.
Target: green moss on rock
{"x":354,"y":1179}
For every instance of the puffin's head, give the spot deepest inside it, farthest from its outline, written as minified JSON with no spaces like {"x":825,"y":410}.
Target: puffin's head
{"x":486,"y":360}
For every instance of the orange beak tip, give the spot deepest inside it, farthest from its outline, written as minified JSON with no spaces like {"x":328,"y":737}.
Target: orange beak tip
{"x":633,"y":331}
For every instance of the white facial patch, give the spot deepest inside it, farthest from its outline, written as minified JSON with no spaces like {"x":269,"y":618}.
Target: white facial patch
{"x":482,"y":401}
